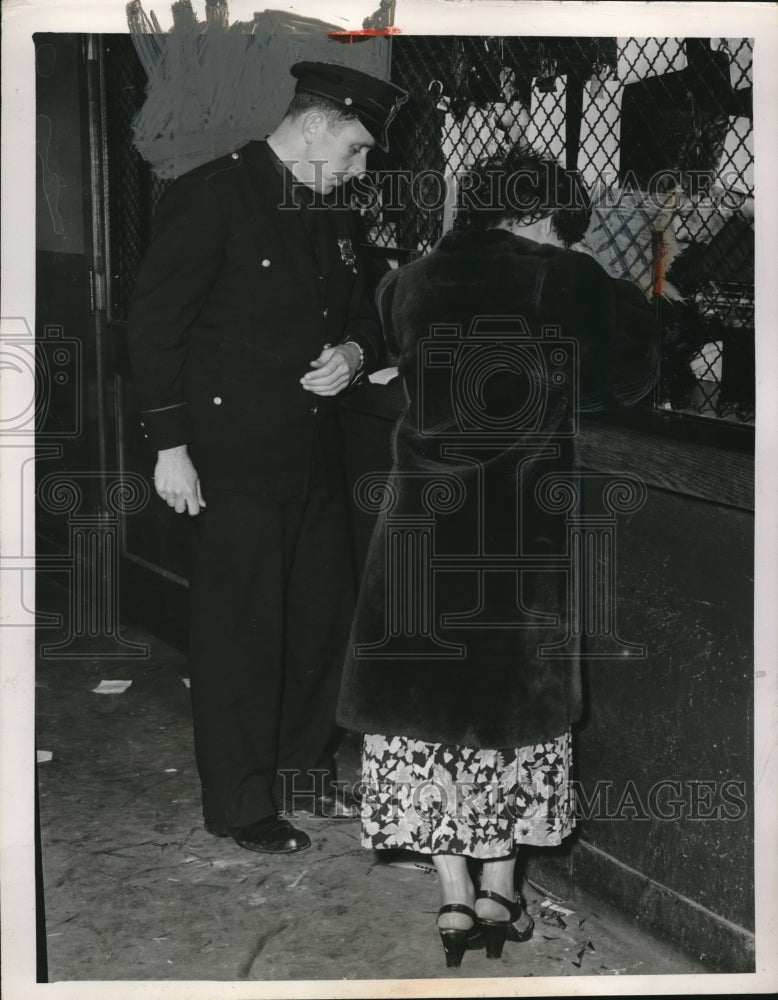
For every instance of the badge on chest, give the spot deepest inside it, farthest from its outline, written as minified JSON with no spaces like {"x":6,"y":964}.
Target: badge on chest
{"x":347,"y":254}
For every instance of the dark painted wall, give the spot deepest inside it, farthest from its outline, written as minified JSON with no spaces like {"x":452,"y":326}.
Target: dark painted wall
{"x":682,"y":715}
{"x":59,"y":202}
{"x":64,"y":329}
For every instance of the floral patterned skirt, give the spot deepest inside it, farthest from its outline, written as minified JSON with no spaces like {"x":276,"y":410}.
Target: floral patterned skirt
{"x":434,"y":798}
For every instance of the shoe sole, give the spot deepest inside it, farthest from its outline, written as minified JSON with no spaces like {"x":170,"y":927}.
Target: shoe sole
{"x":216,"y":832}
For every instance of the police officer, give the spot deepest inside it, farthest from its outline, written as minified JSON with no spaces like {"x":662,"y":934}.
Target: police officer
{"x":249,"y":316}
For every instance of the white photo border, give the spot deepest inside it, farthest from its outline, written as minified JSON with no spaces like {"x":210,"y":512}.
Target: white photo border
{"x":21,"y":19}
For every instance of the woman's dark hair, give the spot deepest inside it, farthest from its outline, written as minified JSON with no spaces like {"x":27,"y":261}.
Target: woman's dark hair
{"x":522,"y":186}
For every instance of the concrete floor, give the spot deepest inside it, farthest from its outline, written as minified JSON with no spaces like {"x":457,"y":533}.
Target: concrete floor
{"x":135,"y":889}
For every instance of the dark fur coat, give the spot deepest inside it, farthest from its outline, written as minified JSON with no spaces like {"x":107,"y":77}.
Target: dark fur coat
{"x":467,"y":587}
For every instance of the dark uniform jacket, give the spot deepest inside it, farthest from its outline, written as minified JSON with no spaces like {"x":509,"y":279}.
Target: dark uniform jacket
{"x":234,"y":299}
{"x":440,"y":651}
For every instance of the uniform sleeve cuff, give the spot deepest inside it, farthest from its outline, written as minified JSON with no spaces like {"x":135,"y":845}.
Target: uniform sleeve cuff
{"x":367,"y":354}
{"x":168,"y":428}
{"x":361,"y":363}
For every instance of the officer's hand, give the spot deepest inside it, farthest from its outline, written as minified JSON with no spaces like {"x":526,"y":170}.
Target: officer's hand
{"x":332,"y":370}
{"x":176,"y":481}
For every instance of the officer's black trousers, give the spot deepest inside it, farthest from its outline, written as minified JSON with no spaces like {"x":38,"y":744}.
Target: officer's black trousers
{"x":271,"y":603}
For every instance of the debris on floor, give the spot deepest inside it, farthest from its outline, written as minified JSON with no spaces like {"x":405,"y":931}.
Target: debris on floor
{"x":111,"y":687}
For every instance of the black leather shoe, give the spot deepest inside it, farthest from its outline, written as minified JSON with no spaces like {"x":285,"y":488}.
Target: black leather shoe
{"x":497,"y":932}
{"x":457,"y":942}
{"x":271,"y":835}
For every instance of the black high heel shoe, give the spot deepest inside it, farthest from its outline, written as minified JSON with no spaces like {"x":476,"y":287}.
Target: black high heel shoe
{"x":456,"y":941}
{"x":496,"y":932}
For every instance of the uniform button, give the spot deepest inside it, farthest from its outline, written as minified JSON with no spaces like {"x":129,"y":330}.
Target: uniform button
{"x":314,"y":409}
{"x":217,"y":400}
{"x":142,"y":424}
{"x":265,"y":262}
{"x":235,"y":156}
{"x":325,"y":313}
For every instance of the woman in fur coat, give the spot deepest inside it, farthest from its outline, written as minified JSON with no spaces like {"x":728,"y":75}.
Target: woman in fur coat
{"x":463,"y":668}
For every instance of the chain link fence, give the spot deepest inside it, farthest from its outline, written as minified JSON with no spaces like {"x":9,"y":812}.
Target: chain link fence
{"x":660,"y":130}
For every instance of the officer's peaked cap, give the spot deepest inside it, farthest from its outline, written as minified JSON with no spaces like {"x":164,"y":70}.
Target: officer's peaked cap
{"x":374,"y":102}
